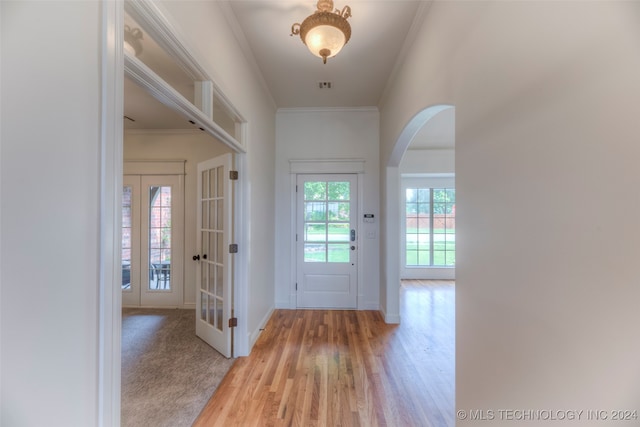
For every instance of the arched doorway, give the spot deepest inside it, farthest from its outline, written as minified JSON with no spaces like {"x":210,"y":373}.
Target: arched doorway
{"x":393,"y":210}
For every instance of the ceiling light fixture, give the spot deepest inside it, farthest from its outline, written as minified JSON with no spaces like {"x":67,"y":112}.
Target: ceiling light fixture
{"x":132,"y":40}
{"x":326,"y":31}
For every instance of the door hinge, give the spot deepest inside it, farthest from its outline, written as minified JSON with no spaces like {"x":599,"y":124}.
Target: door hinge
{"x":233,"y":322}
{"x":233,"y":175}
{"x":233,"y":248}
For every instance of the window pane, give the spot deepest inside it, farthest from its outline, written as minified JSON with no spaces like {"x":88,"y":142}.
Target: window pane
{"x":203,"y":306}
{"x":219,"y":281}
{"x":339,"y":252}
{"x":438,"y":258}
{"x":315,"y":211}
{"x":338,"y":211}
{"x":220,"y":181}
{"x":315,"y":232}
{"x":450,"y":258}
{"x":451,"y":195}
{"x":411,"y":195}
{"x":424,"y":258}
{"x":412,"y":257}
{"x":411,"y":224}
{"x":439,"y":208}
{"x":205,"y":182}
{"x":339,"y":191}
{"x":315,"y":253}
{"x":315,"y":190}
{"x":339,"y":232}
{"x":424,"y":225}
{"x":219,"y":324}
{"x":424,"y":209}
{"x":424,"y":195}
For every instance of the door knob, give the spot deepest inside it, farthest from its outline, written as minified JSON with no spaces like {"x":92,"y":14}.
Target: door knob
{"x":197,"y":257}
{"x":204,"y":256}
{"x":353,"y":248}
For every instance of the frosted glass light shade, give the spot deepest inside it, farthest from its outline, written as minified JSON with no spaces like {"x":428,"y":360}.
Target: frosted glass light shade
{"x":326,"y":31}
{"x":325,"y":37}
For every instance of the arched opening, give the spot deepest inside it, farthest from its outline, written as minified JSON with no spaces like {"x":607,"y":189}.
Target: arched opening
{"x":394,"y":214}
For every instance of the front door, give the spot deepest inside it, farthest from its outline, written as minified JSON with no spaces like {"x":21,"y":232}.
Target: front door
{"x":214,"y":273}
{"x":152,"y":251}
{"x":326,"y":241}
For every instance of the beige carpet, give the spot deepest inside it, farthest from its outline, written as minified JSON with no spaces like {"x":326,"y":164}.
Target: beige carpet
{"x":168,"y":374}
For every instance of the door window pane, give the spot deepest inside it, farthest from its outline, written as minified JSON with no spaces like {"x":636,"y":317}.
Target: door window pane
{"x":339,"y":252}
{"x":315,"y":252}
{"x":339,"y":190}
{"x":315,"y":190}
{"x":327,"y":215}
{"x":159,"y":238}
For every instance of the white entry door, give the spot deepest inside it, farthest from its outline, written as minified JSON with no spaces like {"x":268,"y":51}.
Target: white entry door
{"x":327,"y":238}
{"x":214,"y":273}
{"x":152,"y":235}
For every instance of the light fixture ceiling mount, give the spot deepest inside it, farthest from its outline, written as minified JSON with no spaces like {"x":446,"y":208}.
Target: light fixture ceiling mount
{"x":326,"y":31}
{"x":133,"y":40}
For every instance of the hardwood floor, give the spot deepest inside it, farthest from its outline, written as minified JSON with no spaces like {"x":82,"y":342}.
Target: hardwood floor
{"x":347,"y":368}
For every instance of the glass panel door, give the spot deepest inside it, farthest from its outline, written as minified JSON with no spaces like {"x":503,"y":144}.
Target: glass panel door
{"x":327,"y":241}
{"x":152,"y":252}
{"x":214,"y":271}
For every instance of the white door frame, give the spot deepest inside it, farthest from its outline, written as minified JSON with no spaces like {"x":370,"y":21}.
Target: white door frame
{"x":324,"y":166}
{"x":109,"y":302}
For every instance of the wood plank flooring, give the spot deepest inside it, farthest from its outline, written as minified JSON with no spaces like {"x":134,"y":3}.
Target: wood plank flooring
{"x":347,"y":368}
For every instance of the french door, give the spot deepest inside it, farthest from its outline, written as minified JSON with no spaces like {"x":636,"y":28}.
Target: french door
{"x":327,"y":241}
{"x":214,"y":273}
{"x":152,"y":236}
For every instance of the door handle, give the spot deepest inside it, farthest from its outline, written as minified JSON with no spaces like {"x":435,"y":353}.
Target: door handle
{"x":197,"y":257}
{"x":353,"y":235}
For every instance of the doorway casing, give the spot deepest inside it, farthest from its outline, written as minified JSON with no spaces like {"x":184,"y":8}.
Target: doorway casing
{"x":109,"y":303}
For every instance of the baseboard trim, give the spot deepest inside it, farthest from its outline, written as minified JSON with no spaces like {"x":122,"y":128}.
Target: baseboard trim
{"x":253,"y":337}
{"x":391,"y":319}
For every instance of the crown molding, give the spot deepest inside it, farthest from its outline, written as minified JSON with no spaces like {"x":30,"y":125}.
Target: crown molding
{"x":372,"y":109}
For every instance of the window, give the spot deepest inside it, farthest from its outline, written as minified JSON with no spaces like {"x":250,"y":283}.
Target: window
{"x":430,"y":232}
{"x":327,"y":226}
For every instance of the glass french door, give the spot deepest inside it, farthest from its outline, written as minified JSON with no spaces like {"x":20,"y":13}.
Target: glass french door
{"x":327,"y":241}
{"x":152,"y":252}
{"x":214,"y":273}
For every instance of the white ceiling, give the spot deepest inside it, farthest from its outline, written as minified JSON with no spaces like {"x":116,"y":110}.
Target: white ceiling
{"x":358,"y":74}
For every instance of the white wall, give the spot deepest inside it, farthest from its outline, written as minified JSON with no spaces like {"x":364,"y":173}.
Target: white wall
{"x":547,"y":208}
{"x":204,"y":26}
{"x":431,"y":161}
{"x":50,"y":195}
{"x":194,"y":148}
{"x":50,"y":169}
{"x":327,"y":134}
